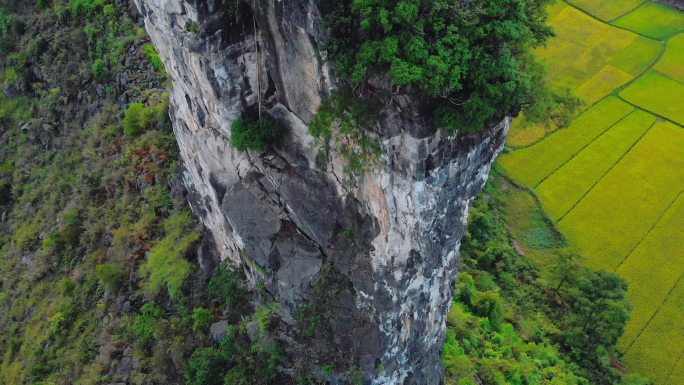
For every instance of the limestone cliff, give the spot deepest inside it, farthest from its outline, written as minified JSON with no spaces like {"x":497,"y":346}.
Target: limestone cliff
{"x":375,"y":255}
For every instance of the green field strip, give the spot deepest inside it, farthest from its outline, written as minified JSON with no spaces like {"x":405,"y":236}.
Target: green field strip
{"x":653,"y":20}
{"x":659,"y":347}
{"x":608,"y":222}
{"x":672,"y":61}
{"x":606,"y":10}
{"x":568,"y":184}
{"x":530,"y":165}
{"x":659,"y":94}
{"x":653,"y":269}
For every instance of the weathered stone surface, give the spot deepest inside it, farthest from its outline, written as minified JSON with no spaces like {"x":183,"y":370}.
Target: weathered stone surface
{"x":218,"y":330}
{"x":381,"y":250}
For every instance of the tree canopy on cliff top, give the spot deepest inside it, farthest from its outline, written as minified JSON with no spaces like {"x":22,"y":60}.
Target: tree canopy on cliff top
{"x":467,"y":57}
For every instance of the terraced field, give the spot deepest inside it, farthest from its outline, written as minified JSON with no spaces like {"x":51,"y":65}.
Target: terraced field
{"x":613,"y":180}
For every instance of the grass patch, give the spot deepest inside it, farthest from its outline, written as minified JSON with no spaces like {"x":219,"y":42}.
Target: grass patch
{"x":607,"y":10}
{"x":166,"y":266}
{"x":672,"y":62}
{"x":561,"y":190}
{"x":532,"y":164}
{"x":660,"y":345}
{"x":657,"y":93}
{"x":618,"y":212}
{"x":653,"y":269}
{"x":654,"y":20}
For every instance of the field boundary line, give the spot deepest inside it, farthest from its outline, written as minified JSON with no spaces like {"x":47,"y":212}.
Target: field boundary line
{"x":628,"y":12}
{"x":616,"y":91}
{"x":660,"y":217}
{"x":681,"y":356}
{"x":609,"y":23}
{"x":669,"y":293}
{"x":651,"y":112}
{"x":584,"y":147}
{"x":609,"y":170}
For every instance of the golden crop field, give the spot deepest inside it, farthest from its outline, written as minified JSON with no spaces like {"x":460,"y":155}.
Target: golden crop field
{"x":613,"y":180}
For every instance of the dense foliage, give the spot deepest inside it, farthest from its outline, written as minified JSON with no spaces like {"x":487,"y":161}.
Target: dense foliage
{"x":98,"y":283}
{"x":515,"y":322}
{"x":254,"y":135}
{"x":464,"y":55}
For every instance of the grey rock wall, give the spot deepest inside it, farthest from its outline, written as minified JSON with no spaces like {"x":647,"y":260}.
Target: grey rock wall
{"x":376,"y":255}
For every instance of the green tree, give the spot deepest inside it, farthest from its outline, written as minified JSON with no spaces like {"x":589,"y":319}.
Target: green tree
{"x":201,"y":319}
{"x":599,"y":313}
{"x":463,"y":55}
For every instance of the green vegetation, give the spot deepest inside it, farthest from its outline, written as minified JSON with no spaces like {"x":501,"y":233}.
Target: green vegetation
{"x":657,"y":163}
{"x":531,"y":165}
{"x":586,"y":175}
{"x":93,"y":243}
{"x":463,"y":57}
{"x":110,"y":275}
{"x":607,"y":10}
{"x":254,"y":135}
{"x":653,"y":92}
{"x":656,"y":21}
{"x":651,"y":270}
{"x":672,"y":61}
{"x":201,"y":319}
{"x":235,"y":361}
{"x":559,"y":323}
{"x":586,"y":59}
{"x":154,"y":58}
{"x":345,"y":124}
{"x":226,"y":288}
{"x":99,"y":70}
{"x":138,"y":118}
{"x":166,"y":266}
{"x":567,"y":184}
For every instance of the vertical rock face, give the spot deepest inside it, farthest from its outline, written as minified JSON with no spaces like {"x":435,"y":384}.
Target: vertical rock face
{"x":372,"y":257}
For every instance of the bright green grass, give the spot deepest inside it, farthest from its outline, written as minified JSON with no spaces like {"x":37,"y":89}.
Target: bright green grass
{"x":653,"y":269}
{"x":672,"y":62}
{"x":659,"y":347}
{"x":653,"y":20}
{"x":530,"y":165}
{"x":608,"y":222}
{"x":607,"y":10}
{"x":561,"y":190}
{"x":659,"y":94}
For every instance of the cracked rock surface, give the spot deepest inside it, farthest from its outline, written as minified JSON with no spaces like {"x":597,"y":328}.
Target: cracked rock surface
{"x":380,"y":250}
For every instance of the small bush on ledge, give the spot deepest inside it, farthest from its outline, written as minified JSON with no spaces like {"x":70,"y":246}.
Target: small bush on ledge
{"x":254,"y":135}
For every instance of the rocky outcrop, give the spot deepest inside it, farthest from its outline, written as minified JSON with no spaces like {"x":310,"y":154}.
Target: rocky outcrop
{"x":372,"y":258}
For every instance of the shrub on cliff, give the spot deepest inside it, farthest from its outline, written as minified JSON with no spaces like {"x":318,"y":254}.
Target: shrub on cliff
{"x":462,"y":55}
{"x":135,"y":120}
{"x":139,"y":118}
{"x":254,"y":135}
